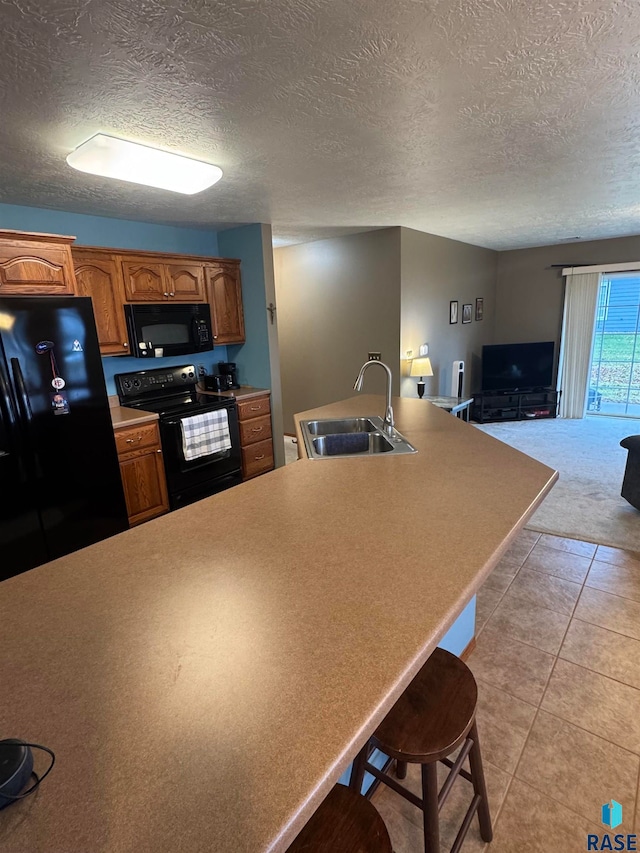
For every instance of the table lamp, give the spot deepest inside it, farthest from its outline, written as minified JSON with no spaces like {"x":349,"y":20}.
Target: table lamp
{"x":421,"y":367}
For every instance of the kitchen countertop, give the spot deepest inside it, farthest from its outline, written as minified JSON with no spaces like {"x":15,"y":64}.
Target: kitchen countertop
{"x":205,"y":678}
{"x":242,"y":393}
{"x":121,"y":416}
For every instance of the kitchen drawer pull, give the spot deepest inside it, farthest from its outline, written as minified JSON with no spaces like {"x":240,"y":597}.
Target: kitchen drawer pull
{"x":133,"y":440}
{"x":255,"y":408}
{"x":257,"y":429}
{"x":257,"y":458}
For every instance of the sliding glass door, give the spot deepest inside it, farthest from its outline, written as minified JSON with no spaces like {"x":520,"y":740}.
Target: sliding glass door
{"x":614,"y":387}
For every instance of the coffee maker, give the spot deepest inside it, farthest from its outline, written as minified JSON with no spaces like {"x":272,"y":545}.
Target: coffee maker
{"x":229,"y":375}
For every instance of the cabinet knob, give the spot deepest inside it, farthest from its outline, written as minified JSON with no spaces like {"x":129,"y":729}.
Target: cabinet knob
{"x":125,"y":344}
{"x":172,"y":293}
{"x":215,"y":337}
{"x":158,"y":451}
{"x":166,"y":294}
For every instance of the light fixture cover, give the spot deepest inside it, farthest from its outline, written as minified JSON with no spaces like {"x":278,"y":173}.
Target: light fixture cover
{"x":421,"y":367}
{"x":111,"y":157}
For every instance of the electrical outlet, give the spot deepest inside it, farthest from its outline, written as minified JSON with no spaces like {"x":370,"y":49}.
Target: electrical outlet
{"x":202,"y":370}
{"x":375,"y":356}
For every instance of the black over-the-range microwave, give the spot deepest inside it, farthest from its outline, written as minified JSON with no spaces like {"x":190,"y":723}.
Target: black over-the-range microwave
{"x":158,"y":330}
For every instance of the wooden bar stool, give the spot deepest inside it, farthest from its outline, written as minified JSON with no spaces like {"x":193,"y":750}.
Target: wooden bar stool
{"x":434,"y":716}
{"x":346,"y":822}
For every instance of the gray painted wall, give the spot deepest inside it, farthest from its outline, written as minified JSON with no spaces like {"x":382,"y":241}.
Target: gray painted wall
{"x":436,"y":270}
{"x":337,"y":300}
{"x":529,"y":296}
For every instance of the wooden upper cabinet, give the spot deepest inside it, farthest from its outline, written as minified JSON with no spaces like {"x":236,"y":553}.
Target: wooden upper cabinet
{"x":224,"y":293}
{"x":98,"y":275}
{"x":185,"y":282}
{"x":36,"y":264}
{"x":148,"y":279}
{"x":144,"y":280}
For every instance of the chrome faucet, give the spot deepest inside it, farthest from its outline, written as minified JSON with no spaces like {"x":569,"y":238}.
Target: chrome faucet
{"x":357,"y":386}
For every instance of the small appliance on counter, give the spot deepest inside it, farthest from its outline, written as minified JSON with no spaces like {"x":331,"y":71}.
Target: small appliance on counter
{"x":215,"y":383}
{"x":229,"y":373}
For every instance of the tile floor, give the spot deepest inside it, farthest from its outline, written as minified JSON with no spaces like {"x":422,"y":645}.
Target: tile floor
{"x":558,"y":668}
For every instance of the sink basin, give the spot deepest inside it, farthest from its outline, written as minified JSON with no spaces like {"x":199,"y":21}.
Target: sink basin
{"x":351,"y":444}
{"x":351,"y":437}
{"x":339,"y":427}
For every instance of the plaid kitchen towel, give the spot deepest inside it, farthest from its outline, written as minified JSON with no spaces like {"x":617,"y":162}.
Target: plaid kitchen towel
{"x":205,"y":434}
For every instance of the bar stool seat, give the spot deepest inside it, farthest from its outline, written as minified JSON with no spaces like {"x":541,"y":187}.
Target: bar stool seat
{"x":346,"y":822}
{"x":433,"y":717}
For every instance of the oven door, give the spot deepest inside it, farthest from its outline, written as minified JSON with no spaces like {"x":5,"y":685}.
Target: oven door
{"x":189,"y":481}
{"x":158,"y":331}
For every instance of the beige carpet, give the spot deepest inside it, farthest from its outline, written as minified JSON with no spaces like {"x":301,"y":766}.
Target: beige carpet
{"x":585,"y":503}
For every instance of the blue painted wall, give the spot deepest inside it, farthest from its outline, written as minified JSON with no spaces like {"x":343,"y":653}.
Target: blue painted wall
{"x":112,"y":233}
{"x":252,"y":357}
{"x":125,"y":364}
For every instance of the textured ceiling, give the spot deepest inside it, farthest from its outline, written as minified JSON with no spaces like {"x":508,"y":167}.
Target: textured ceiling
{"x":502,"y":123}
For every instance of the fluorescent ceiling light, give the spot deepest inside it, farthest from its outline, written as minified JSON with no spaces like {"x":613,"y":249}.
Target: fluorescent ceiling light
{"x":128,"y":161}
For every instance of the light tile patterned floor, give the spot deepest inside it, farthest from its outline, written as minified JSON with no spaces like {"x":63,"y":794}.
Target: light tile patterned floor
{"x":558,"y":669}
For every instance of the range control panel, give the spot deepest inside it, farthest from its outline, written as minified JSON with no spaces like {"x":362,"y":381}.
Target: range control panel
{"x":155,"y":381}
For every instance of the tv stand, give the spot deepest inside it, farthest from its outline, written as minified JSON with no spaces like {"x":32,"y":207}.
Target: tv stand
{"x":493,"y":406}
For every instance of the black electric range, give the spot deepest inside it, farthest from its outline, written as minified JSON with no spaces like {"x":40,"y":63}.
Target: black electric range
{"x":173,"y":394}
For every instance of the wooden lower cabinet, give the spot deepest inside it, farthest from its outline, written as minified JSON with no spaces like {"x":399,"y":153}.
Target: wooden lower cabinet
{"x":254,"y":420}
{"x":142,"y":472}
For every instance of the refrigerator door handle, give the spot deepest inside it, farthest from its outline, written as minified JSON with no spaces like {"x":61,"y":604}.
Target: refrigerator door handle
{"x":23,"y":397}
{"x":26,"y":415}
{"x":7,"y":409}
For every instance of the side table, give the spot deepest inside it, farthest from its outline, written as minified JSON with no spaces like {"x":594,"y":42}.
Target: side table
{"x":458,"y":406}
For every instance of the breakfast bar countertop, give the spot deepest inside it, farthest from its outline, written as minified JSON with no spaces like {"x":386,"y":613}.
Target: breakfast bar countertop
{"x":205,"y":678}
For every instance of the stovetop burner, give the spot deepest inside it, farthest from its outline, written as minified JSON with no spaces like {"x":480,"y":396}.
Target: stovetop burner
{"x":166,"y":391}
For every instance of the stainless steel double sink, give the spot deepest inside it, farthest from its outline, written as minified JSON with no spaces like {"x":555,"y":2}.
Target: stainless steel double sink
{"x":365,"y":436}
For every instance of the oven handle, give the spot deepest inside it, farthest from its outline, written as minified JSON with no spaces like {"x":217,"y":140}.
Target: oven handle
{"x":212,"y":457}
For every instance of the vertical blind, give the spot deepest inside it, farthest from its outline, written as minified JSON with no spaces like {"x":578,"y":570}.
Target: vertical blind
{"x":578,"y":322}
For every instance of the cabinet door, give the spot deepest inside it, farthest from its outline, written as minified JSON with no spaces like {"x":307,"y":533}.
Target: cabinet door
{"x":99,"y":277}
{"x":144,"y":280}
{"x":185,"y":282}
{"x":145,"y":488}
{"x":37,"y":270}
{"x":224,"y":292}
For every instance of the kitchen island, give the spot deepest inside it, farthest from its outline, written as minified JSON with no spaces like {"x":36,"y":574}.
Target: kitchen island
{"x":205,"y":678}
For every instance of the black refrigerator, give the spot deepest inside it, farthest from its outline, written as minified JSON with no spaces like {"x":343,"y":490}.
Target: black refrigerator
{"x":60,"y":486}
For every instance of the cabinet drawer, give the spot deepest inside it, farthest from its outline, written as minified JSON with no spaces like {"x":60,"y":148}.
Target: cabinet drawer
{"x":137,"y":437}
{"x":257,"y":458}
{"x":257,"y":429}
{"x":253,"y":408}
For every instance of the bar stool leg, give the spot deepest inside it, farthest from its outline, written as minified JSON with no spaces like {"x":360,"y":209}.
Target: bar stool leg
{"x":401,"y":769}
{"x":357,"y":769}
{"x":430,"y":808}
{"x":479,"y":786}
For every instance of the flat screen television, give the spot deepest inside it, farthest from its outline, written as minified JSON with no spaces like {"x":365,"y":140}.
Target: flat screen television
{"x":517,"y":367}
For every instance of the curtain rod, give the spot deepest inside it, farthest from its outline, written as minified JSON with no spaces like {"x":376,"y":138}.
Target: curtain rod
{"x":630,"y":266}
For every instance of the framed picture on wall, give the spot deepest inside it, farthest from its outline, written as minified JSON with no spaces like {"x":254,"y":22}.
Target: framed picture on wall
{"x":479,"y":309}
{"x":466,"y":313}
{"x":453,"y":312}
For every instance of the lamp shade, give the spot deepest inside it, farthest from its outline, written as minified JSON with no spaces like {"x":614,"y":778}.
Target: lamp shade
{"x":421,"y":367}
